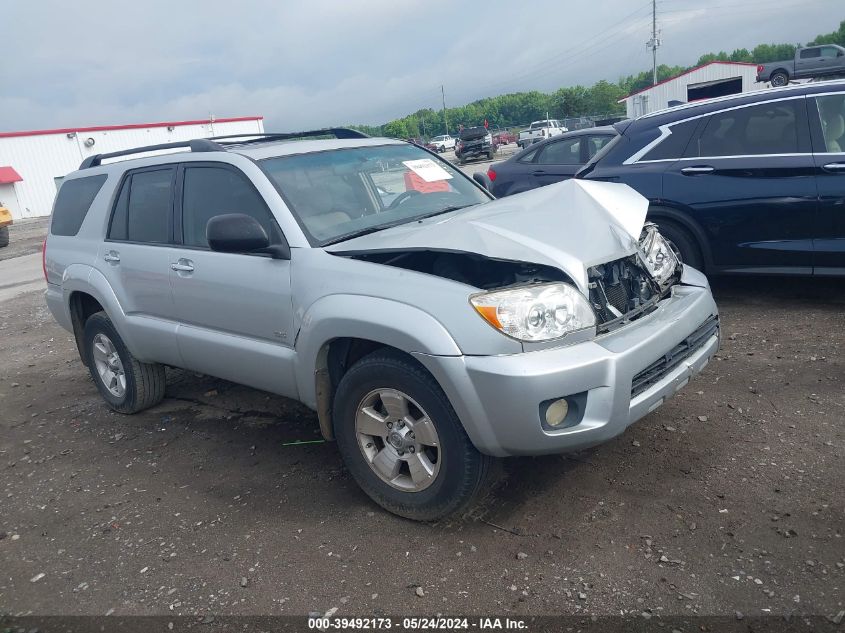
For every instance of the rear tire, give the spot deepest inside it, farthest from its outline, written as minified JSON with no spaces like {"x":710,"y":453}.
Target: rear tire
{"x":779,"y":79}
{"x":682,"y":242}
{"x":444,"y":471}
{"x":126,"y":384}
{"x":4,"y":236}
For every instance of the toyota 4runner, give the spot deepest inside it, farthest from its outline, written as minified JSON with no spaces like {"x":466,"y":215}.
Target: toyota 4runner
{"x":428,"y":325}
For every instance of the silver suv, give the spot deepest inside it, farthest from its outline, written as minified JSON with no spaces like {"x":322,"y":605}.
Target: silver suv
{"x":429,"y":326}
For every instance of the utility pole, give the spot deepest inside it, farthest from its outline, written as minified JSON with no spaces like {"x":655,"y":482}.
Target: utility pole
{"x":654,"y":42}
{"x":445,"y":121}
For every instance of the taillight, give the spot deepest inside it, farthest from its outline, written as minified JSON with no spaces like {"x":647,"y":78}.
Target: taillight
{"x":44,"y":259}
{"x":759,"y":69}
{"x":491,"y":174}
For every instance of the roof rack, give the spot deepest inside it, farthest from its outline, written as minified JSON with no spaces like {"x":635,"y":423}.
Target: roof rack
{"x":219,"y":143}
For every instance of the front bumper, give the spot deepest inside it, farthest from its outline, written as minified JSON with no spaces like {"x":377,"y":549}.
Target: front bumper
{"x":498,"y":398}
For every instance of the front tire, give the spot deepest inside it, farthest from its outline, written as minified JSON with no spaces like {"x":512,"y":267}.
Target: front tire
{"x":4,"y":236}
{"x":401,"y":440}
{"x":126,"y":384}
{"x":779,"y":79}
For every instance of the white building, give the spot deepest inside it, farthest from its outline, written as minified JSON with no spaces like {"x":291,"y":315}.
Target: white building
{"x":32,"y":164}
{"x":715,"y":79}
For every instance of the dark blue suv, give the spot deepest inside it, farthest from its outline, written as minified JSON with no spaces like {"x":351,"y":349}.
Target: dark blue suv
{"x":752,"y":183}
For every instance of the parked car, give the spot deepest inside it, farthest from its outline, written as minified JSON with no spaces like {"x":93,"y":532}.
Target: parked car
{"x":441,"y":143}
{"x":547,"y":162}
{"x":809,"y":63}
{"x":751,"y":183}
{"x":429,"y":332}
{"x":475,"y":142}
{"x":5,"y":223}
{"x":540,"y":131}
{"x":504,"y":137}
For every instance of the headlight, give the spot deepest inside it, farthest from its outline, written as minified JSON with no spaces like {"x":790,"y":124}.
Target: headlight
{"x":657,"y":255}
{"x":536,"y":313}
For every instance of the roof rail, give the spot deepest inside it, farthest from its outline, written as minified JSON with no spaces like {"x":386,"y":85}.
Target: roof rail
{"x":195,"y":145}
{"x":219,"y":143}
{"x":267,"y":137}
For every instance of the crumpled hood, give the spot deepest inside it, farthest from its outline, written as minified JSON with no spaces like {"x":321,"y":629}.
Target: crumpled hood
{"x":570,"y":225}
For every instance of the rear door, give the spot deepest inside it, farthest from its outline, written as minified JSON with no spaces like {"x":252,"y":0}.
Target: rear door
{"x":827,"y":120}
{"x":808,"y":61}
{"x":747,"y":178}
{"x":234,"y":310}
{"x":557,"y":161}
{"x":135,"y":259}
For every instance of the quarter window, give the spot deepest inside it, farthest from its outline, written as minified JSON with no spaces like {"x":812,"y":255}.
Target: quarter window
{"x":566,"y":152}
{"x":142,"y":210}
{"x":674,"y":145}
{"x":768,"y":128}
{"x":211,"y":191}
{"x":72,"y":203}
{"x":595,"y":143}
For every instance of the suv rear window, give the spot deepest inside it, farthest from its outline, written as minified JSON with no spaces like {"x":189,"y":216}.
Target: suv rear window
{"x":72,"y":203}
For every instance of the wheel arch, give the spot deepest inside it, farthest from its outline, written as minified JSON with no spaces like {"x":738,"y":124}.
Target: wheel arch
{"x":340,"y":329}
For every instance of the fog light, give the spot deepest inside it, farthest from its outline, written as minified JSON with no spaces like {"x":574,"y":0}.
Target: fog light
{"x":556,"y":413}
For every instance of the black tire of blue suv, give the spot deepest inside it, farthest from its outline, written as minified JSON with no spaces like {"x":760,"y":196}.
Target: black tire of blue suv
{"x":462,"y":469}
{"x":682,"y":242}
{"x":145,"y":382}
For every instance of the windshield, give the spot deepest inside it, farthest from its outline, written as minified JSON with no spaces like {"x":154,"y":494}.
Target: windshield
{"x":338,"y":194}
{"x":538,"y":124}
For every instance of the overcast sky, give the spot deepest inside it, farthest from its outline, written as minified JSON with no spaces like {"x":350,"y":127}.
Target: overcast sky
{"x":325,"y":62}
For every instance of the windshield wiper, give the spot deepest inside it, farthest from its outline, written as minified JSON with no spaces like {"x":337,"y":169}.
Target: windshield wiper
{"x":390,"y":225}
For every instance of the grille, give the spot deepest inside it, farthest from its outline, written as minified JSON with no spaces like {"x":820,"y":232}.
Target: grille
{"x":621,"y":291}
{"x":663,"y":365}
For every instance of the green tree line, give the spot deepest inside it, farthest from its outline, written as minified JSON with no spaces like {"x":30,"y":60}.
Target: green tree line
{"x":519,"y":108}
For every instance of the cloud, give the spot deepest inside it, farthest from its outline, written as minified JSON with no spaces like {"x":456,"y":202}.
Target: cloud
{"x":332,"y":61}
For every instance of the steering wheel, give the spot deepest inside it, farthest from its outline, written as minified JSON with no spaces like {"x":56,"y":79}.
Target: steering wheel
{"x":402,"y":197}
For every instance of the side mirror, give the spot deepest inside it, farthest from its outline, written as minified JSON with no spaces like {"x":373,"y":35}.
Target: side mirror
{"x":241,"y":233}
{"x":482,"y":179}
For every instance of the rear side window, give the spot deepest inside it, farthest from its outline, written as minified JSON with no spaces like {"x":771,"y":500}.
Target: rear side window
{"x":142,"y":210}
{"x":566,"y":152}
{"x":72,"y":203}
{"x":768,"y":128}
{"x":210,"y":191}
{"x":809,"y":53}
{"x":674,"y":145}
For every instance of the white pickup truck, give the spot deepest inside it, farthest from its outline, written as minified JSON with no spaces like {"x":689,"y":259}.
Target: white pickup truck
{"x":540,"y":131}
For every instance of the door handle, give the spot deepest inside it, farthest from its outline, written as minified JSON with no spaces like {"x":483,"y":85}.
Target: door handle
{"x":112,"y":257}
{"x":700,"y":169}
{"x":538,"y":172}
{"x":834,"y":167}
{"x":183,"y":266}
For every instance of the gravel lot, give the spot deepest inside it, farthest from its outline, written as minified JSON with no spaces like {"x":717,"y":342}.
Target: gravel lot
{"x":726,"y":499}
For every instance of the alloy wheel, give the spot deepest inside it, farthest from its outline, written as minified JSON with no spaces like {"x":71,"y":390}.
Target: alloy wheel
{"x":109,"y":366}
{"x":398,"y":440}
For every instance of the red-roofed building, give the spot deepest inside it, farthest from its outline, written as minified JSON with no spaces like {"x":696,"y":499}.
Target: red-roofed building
{"x":715,"y":79}
{"x":33,"y":163}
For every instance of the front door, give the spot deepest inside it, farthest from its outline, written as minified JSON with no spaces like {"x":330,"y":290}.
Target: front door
{"x":747,"y":179}
{"x":827,"y":119}
{"x":234,"y":310}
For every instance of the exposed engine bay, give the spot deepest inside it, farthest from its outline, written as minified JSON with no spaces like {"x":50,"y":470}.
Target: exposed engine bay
{"x":621,"y":291}
{"x":475,"y":270}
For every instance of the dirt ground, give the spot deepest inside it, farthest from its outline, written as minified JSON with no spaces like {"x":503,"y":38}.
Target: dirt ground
{"x":727,"y":499}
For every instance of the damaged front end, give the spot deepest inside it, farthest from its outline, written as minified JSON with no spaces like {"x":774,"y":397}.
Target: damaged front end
{"x":475,"y":270}
{"x":625,"y":289}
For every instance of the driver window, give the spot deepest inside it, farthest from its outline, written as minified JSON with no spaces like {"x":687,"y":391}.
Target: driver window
{"x":210,"y":191}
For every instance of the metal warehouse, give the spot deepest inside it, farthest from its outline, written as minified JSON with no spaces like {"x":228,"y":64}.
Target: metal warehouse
{"x":33,"y":164}
{"x":715,"y":79}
